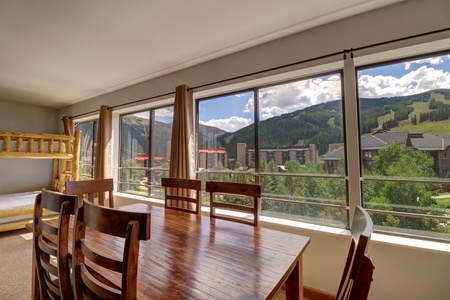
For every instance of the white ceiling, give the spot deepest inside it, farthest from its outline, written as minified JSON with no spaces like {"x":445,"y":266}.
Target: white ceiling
{"x":55,"y":53}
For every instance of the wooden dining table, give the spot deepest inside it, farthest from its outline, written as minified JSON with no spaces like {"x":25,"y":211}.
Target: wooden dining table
{"x":191,"y":256}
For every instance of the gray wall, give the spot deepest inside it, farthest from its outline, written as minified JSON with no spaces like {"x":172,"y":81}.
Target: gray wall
{"x":19,"y":175}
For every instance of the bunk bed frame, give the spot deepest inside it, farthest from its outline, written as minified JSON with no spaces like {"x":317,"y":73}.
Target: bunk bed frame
{"x":16,"y":210}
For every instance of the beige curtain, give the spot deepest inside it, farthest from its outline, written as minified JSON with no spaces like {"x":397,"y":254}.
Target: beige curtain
{"x":182,"y":144}
{"x":102,"y":167}
{"x":69,"y":128}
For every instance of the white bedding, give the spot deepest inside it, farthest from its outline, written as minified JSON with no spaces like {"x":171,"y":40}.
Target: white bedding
{"x":16,"y":210}
{"x":17,"y":200}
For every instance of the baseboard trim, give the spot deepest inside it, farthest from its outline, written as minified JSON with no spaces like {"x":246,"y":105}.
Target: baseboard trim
{"x":314,"y":294}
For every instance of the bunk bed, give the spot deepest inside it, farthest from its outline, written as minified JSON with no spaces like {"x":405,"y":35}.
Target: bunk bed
{"x":16,"y":210}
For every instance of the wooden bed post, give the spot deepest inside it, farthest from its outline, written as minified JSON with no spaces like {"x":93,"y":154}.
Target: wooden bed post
{"x":76,"y":155}
{"x":55,"y":175}
{"x":64,"y":169}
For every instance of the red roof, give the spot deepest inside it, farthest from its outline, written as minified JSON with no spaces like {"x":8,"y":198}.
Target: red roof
{"x":220,"y":151}
{"x":156,"y":157}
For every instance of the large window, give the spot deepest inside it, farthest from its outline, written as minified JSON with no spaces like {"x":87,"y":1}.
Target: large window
{"x":145,"y":151}
{"x":404,"y":110}
{"x":87,"y":148}
{"x":225,"y":131}
{"x":316,"y":153}
{"x":290,"y":147}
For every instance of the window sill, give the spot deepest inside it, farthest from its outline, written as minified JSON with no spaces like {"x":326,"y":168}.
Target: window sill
{"x":290,"y":225}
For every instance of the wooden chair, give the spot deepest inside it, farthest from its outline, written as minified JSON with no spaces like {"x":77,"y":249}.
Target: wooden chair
{"x":182,"y":194}
{"x":51,"y":253}
{"x":93,"y":189}
{"x":239,"y":191}
{"x":358,"y":271}
{"x":132,"y":227}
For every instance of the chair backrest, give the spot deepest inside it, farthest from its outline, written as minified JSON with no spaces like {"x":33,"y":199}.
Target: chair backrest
{"x":226,"y":191}
{"x":131,"y":227}
{"x":182,"y":194}
{"x":51,"y":253}
{"x":92,"y":190}
{"x":358,"y":271}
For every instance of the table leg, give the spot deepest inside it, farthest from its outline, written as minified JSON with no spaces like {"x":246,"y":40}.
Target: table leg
{"x":294,"y":283}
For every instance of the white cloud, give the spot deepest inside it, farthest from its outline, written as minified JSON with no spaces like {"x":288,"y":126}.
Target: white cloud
{"x":143,"y":115}
{"x":164,"y":114}
{"x":289,"y":97}
{"x":415,"y":82}
{"x":231,"y":125}
{"x":432,"y":61}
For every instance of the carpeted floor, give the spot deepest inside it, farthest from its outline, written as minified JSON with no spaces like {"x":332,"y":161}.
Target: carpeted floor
{"x":15,"y":264}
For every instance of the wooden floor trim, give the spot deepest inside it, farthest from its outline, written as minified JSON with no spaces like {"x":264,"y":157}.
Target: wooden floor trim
{"x":314,"y":294}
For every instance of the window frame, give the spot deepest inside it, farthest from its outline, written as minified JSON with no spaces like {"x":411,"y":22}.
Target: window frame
{"x":94,"y":145}
{"x":367,"y":178}
{"x":255,"y":89}
{"x":150,"y":187}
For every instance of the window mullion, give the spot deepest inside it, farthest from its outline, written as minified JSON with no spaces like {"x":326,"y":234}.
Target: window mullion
{"x":256,"y":112}
{"x":352,"y":135}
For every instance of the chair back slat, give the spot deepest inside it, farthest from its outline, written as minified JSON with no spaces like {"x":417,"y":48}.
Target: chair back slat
{"x":182,"y":194}
{"x":95,"y":190}
{"x":51,"y":253}
{"x":95,"y":280}
{"x":221,"y":190}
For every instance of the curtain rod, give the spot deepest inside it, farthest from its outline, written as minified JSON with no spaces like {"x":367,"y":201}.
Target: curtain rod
{"x":319,"y":57}
{"x":345,"y":51}
{"x":123,"y":104}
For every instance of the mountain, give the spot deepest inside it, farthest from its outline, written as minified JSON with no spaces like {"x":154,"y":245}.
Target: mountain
{"x":403,"y":107}
{"x":319,"y":124}
{"x":322,"y":124}
{"x":137,"y":129}
{"x":207,"y":136}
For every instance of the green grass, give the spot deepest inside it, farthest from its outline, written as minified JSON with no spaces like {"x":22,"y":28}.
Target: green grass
{"x":427,"y":127}
{"x":444,"y":202}
{"x":440,"y":97}
{"x":438,"y":127}
{"x":419,"y":108}
{"x":331,"y":122}
{"x":385,"y":118}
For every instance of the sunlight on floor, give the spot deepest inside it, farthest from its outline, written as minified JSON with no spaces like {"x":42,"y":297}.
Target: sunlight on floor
{"x":27,"y":236}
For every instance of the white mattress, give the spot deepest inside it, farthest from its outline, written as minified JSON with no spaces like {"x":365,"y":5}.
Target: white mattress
{"x":17,"y":200}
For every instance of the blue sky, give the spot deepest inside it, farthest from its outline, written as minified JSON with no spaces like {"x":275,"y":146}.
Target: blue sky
{"x":233,"y":112}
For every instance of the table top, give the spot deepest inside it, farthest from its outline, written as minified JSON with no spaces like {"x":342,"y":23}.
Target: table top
{"x":196,"y":257}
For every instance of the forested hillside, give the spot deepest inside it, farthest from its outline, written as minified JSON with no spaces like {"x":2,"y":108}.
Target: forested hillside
{"x":137,"y":128}
{"x":404,"y":110}
{"x":319,"y":124}
{"x":322,"y":124}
